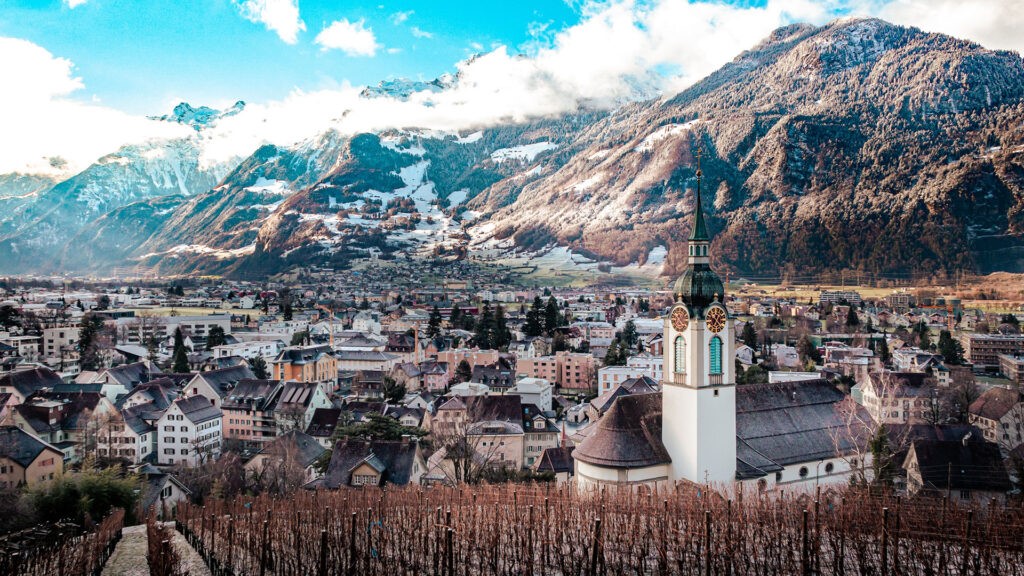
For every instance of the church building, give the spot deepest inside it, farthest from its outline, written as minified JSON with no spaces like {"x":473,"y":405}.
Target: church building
{"x":702,"y":428}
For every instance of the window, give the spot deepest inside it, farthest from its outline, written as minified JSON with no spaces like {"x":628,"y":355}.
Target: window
{"x":803,"y":471}
{"x":715,"y":353}
{"x":778,"y":477}
{"x":828,"y":468}
{"x":680,"y":355}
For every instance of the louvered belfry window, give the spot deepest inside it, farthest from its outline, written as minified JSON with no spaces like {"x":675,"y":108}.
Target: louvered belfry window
{"x":680,"y":355}
{"x":716,"y":356}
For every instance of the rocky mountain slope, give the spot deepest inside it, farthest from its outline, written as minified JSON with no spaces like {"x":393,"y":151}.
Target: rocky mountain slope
{"x":35,"y":233}
{"x":856,"y":145}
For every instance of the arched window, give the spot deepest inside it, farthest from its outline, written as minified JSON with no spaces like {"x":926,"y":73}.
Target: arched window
{"x":680,"y":355}
{"x":715,"y":356}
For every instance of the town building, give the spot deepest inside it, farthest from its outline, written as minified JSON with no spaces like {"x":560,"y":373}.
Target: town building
{"x":568,"y":370}
{"x":1012,"y":366}
{"x":900,"y":397}
{"x":357,"y":462}
{"x":999,"y":413}
{"x":983,"y":350}
{"x":189,"y":432}
{"x":307,"y":364}
{"x":249,"y":412}
{"x":25,"y":460}
{"x":840,"y":296}
{"x":961,"y":470}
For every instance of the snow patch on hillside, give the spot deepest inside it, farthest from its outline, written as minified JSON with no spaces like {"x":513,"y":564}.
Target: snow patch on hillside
{"x":663,"y":133}
{"x":205,"y":250}
{"x":475,"y":136}
{"x":581,"y":187}
{"x":524,"y":153}
{"x":265,"y":186}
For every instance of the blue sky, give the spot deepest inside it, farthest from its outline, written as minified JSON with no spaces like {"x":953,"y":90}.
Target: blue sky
{"x":140,"y":55}
{"x":87,"y":72}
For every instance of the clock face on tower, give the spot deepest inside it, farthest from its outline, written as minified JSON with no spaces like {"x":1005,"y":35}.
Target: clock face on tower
{"x":716,"y":319}
{"x":680,"y":318}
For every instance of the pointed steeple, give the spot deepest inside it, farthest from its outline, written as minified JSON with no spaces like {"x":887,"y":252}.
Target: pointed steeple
{"x":699,"y":286}
{"x":699,"y":231}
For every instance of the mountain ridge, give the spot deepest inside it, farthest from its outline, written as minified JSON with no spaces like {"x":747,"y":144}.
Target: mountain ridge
{"x":855,"y":145}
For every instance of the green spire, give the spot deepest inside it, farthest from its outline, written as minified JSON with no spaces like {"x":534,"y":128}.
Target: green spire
{"x":699,"y":231}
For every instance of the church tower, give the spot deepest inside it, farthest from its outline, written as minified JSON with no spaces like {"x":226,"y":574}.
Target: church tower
{"x":699,"y":382}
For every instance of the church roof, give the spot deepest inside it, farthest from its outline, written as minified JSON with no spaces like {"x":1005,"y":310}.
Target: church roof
{"x":627,"y":436}
{"x":780,"y":424}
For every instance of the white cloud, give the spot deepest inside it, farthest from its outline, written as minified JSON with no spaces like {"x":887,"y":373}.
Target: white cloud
{"x":74,"y":3}
{"x":619,"y":51}
{"x":45,"y":130}
{"x":419,"y":33}
{"x":399,"y":18}
{"x":279,"y":16}
{"x":352,"y":38}
{"x":996,"y":24}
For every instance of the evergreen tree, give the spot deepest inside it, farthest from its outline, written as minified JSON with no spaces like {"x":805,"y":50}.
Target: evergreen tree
{"x":851,"y":317}
{"x":288,"y":312}
{"x":9,"y":316}
{"x":434,"y":324}
{"x":216,"y":337}
{"x":89,"y":342}
{"x":456,"y":316}
{"x":629,"y":336}
{"x":883,"y":351}
{"x":749,"y":335}
{"x":463,"y":372}
{"x":882,"y":457}
{"x":485,"y":328}
{"x":551,"y":315}
{"x":615,"y":356}
{"x":179,"y":362}
{"x":924,"y":337}
{"x":259,"y":368}
{"x":502,"y":336}
{"x":952,"y":351}
{"x":534,"y":325}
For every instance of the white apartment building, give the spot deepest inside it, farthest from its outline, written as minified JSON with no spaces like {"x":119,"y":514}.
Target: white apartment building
{"x":189,"y":432}
{"x":609,"y":377}
{"x":56,"y":339}
{"x":249,"y":350}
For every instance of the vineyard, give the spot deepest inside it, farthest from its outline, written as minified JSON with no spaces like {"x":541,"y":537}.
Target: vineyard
{"x":61,"y":549}
{"x":514,"y":530}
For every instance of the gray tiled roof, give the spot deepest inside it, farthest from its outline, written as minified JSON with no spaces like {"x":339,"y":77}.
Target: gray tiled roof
{"x":20,"y":446}
{"x":197,"y":408}
{"x":627,"y":436}
{"x":396,"y":456}
{"x":791,"y":422}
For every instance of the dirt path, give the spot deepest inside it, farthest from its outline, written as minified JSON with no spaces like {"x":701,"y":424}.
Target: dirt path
{"x":191,"y":562}
{"x":129,"y":556}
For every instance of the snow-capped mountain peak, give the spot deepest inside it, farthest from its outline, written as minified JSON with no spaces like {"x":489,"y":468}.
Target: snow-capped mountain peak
{"x":201,"y":117}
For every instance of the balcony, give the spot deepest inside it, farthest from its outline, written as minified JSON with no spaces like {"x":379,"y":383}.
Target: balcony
{"x":715,"y":379}
{"x":678,"y":377}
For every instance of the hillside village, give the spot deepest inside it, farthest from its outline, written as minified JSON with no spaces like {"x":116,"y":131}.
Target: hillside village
{"x":325,"y":381}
